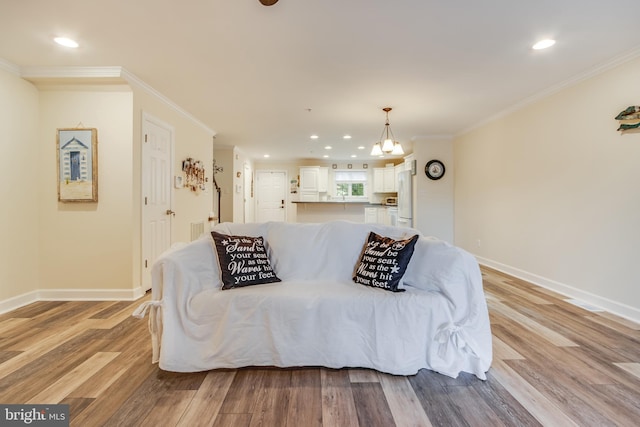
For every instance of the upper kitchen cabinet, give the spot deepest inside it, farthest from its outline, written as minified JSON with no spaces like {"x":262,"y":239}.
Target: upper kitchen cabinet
{"x":313,"y":181}
{"x":309,"y":177}
{"x":323,"y":179}
{"x":384,"y":180}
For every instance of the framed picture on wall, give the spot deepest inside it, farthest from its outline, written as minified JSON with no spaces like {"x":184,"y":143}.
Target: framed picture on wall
{"x":77,"y":164}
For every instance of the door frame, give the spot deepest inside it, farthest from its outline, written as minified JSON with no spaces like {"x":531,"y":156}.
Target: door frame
{"x":144,"y":237}
{"x":248,"y":210}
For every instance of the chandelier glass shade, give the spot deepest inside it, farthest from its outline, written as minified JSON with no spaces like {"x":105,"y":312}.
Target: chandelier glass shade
{"x":387,"y":143}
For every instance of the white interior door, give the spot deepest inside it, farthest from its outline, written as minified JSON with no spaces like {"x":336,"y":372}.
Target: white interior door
{"x":271,"y":195}
{"x":157,"y":153}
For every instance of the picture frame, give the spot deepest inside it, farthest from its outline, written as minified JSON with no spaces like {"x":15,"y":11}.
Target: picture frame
{"x":77,"y":164}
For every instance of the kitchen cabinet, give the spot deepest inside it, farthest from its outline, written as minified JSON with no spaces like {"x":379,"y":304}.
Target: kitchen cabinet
{"x":313,"y":181}
{"x":323,"y":180}
{"x":314,"y":178}
{"x":389,"y":181}
{"x":371,"y":215}
{"x":309,"y":179}
{"x":384,"y":180}
{"x":378,"y":180}
{"x":382,"y":215}
{"x":309,"y":184}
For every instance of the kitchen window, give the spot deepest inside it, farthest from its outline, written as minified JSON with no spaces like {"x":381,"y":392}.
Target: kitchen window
{"x":351,"y":184}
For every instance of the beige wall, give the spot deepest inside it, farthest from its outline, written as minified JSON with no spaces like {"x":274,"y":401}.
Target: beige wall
{"x":191,"y":140}
{"x":87,"y":245}
{"x":225,"y":179}
{"x":551,"y":192}
{"x":83,"y":250}
{"x":19,"y":252}
{"x":233,"y":191}
{"x":434,"y":199}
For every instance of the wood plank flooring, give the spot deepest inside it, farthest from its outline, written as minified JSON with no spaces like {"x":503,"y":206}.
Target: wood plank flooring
{"x":555,"y":364}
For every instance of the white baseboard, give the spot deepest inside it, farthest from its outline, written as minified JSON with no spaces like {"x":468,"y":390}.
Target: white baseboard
{"x":615,"y":307}
{"x":18,"y":301}
{"x":70,"y":295}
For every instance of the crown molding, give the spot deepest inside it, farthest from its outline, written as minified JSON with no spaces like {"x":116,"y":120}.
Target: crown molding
{"x":134,"y":80}
{"x":36,"y":73}
{"x":108,"y":74}
{"x":435,"y":137}
{"x":593,"y":72}
{"x":9,"y":66}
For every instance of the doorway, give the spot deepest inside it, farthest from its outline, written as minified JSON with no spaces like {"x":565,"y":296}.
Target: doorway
{"x":271,"y":195}
{"x":248,"y":194}
{"x":157,"y":170}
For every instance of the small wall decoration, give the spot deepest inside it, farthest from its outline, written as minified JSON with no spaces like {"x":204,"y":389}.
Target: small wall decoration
{"x":194,"y":174}
{"x":77,"y":158}
{"x":629,"y":118}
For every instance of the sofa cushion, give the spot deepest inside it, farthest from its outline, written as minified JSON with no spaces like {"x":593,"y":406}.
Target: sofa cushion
{"x":242,"y":261}
{"x":304,"y":251}
{"x":383,"y":261}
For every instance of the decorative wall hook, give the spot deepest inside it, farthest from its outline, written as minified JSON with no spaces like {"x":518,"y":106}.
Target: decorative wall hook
{"x":194,"y":174}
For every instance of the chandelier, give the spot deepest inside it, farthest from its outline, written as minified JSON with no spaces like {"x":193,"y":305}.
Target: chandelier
{"x":387,"y":143}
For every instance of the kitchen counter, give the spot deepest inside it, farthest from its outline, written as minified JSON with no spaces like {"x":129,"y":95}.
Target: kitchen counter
{"x":335,"y":209}
{"x":339,"y":202}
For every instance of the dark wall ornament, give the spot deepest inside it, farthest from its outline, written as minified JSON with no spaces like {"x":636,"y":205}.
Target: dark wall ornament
{"x":434,"y":169}
{"x":629,"y":118}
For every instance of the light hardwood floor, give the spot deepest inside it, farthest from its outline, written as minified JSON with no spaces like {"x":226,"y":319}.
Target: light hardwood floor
{"x":555,"y":364}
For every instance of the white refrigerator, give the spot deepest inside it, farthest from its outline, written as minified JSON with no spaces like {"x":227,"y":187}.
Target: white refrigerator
{"x":405,"y":199}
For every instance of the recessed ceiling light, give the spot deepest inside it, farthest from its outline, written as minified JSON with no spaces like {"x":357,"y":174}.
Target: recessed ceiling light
{"x":328,"y":147}
{"x":326,"y":156}
{"x":314,"y":136}
{"x":66,"y":42}
{"x":266,"y":156}
{"x":543,"y":44}
{"x":353,"y":156}
{"x":361,"y":147}
{"x":346,"y":137}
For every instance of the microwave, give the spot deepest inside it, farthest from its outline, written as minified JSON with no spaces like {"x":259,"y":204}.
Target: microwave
{"x":390,"y":201}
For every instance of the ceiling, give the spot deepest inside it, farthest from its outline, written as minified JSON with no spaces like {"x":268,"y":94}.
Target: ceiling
{"x":266,"y":78}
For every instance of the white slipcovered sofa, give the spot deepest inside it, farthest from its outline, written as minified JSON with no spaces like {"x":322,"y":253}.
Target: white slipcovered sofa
{"x":317,"y":315}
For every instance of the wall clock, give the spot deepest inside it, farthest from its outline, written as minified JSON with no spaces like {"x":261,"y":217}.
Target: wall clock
{"x":434,"y":169}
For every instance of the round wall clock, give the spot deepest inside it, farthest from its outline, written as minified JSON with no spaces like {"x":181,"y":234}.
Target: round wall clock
{"x":434,"y":169}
